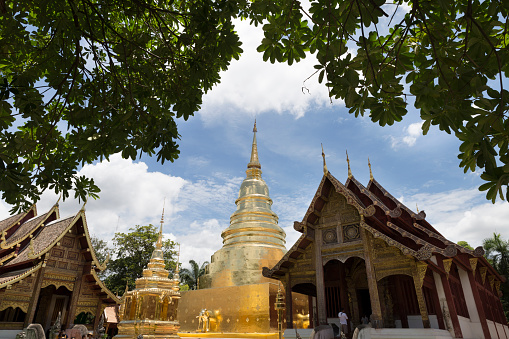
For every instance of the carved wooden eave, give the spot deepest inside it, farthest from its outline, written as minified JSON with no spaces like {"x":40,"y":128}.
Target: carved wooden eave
{"x":375,"y":201}
{"x":106,"y":294}
{"x":95,"y":261}
{"x":485,"y":268}
{"x":293,"y":253}
{"x":448,"y":251}
{"x":19,"y":277}
{"x":26,"y":229}
{"x":420,"y":255}
{"x":418,"y":216}
{"x":318,"y":195}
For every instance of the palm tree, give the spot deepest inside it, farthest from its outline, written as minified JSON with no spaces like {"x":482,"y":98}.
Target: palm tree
{"x":497,"y":251}
{"x":190,"y":276}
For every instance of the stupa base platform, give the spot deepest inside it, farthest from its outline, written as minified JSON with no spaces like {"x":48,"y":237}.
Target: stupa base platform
{"x":228,"y":335}
{"x":150,"y":329}
{"x":241,"y":309}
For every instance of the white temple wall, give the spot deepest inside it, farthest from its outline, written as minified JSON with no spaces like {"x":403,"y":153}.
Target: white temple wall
{"x":501,"y":332}
{"x":442,"y":298}
{"x":466,"y":328}
{"x":469,"y":295}
{"x":498,"y":330}
{"x":415,"y":321}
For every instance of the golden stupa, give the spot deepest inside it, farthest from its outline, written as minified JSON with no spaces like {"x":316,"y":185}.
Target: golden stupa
{"x":151,"y":308}
{"x":234,"y":299}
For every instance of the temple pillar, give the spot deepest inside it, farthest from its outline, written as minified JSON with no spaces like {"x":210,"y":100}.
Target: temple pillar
{"x":419,"y":273}
{"x":74,"y":298}
{"x":311,"y":316}
{"x":29,"y":318}
{"x":451,"y":308}
{"x":98,"y":314}
{"x":289,"y":301}
{"x":376,"y":315}
{"x":355,"y":316}
{"x":472,"y":297}
{"x":320,"y":286}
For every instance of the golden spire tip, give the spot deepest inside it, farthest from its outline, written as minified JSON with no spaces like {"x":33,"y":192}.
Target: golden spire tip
{"x":417,"y":208}
{"x":348,"y":162}
{"x":254,"y":162}
{"x":325,"y":170}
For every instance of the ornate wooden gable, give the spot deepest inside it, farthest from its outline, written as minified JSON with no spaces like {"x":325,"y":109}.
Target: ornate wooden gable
{"x":62,"y":249}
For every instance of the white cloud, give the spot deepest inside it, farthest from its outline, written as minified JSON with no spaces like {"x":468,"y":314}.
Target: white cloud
{"x":131,"y":195}
{"x":251,"y":86}
{"x":412,"y":133}
{"x":463,"y":214}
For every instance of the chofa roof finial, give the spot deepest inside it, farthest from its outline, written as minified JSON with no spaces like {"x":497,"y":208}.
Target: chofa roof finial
{"x":370,"y":173}
{"x":348,"y":162}
{"x":325,"y":170}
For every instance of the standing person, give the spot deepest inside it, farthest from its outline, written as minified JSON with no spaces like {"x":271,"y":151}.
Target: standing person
{"x":343,"y":320}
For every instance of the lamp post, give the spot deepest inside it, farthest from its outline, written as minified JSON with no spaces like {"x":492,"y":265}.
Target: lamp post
{"x":280,"y":307}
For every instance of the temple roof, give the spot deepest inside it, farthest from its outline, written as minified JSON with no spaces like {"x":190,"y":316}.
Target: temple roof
{"x":383,"y":216}
{"x":8,"y":224}
{"x":24,"y":250}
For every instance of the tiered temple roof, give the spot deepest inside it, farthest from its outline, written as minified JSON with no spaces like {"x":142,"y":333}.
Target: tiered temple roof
{"x":27,"y":240}
{"x":385,"y":217}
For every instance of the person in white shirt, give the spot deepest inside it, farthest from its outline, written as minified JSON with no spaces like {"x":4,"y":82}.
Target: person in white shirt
{"x":343,"y":320}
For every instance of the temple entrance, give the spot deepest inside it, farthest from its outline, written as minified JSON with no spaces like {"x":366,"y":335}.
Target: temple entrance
{"x":346,"y":286}
{"x":364,"y":302}
{"x":52,"y":301}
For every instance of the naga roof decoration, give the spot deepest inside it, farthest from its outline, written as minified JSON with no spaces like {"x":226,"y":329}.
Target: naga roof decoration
{"x":384,"y":217}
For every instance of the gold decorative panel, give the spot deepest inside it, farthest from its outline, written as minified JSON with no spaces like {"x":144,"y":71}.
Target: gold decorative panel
{"x":68,"y":241}
{"x":57,"y":252}
{"x":238,"y":309}
{"x":72,"y":255}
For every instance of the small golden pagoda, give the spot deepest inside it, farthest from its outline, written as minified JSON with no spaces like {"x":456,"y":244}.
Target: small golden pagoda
{"x":151,"y":308}
{"x":234,"y":299}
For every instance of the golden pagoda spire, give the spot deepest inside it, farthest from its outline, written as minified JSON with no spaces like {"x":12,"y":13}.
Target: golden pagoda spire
{"x":159,"y":243}
{"x":348,"y":162}
{"x":325,"y":170}
{"x":254,"y":162}
{"x":370,"y":173}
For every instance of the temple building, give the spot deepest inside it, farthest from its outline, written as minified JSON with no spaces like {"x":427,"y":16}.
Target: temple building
{"x":363,"y":250}
{"x":233,"y":295}
{"x":48,"y":266}
{"x":150,"y":310}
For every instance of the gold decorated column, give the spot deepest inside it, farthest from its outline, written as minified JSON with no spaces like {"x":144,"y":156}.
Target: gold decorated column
{"x":419,"y":274}
{"x":376,"y":315}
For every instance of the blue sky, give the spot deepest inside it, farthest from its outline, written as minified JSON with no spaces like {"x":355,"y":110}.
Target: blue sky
{"x":201,"y":186}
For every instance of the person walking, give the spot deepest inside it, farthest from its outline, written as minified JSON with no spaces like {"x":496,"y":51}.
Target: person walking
{"x":343,"y":320}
